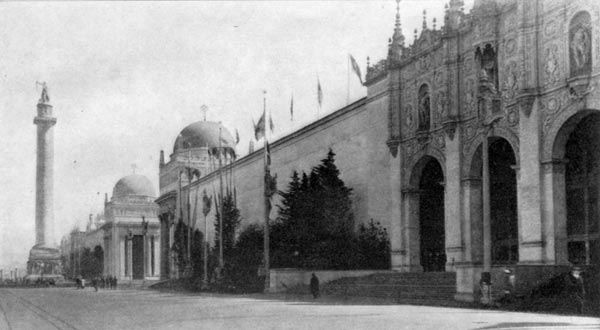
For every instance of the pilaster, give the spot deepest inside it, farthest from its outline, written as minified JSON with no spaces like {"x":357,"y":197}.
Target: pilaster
{"x":531,"y":227}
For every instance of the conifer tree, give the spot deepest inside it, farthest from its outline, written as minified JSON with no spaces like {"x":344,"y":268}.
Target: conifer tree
{"x":231,"y":222}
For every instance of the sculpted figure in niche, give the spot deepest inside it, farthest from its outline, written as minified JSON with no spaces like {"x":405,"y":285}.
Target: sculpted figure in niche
{"x":580,"y":44}
{"x":424,"y":108}
{"x":488,"y":75}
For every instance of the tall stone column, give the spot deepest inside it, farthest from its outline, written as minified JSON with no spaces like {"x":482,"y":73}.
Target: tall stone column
{"x":44,"y":255}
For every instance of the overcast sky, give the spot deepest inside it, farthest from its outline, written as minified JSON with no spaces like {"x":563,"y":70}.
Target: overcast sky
{"x":126,"y":77}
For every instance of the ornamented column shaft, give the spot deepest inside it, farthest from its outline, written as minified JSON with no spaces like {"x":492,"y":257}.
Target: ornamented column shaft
{"x":44,"y":197}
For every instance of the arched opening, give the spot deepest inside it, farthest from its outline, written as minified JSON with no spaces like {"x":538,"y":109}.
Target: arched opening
{"x":431,"y":217}
{"x":504,"y":232}
{"x":503,"y":203}
{"x":582,"y":180}
{"x":137,"y":257}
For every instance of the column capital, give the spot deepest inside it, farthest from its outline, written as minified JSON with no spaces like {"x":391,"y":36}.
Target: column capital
{"x":44,"y":121}
{"x":410,"y":191}
{"x":554,"y":165}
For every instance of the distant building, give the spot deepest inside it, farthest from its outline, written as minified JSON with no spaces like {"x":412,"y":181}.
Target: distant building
{"x":195,"y":155}
{"x":125,"y":239}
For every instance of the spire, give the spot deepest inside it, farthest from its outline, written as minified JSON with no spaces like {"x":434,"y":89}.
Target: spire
{"x":161,"y":161}
{"x":454,"y":13}
{"x":424,"y":19}
{"x":397,"y":43}
{"x":105,"y":199}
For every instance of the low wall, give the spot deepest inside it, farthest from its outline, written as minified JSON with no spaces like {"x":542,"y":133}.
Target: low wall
{"x":282,"y":280}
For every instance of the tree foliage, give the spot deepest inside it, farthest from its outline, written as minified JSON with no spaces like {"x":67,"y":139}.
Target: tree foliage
{"x":179,"y":247}
{"x":231,"y":222}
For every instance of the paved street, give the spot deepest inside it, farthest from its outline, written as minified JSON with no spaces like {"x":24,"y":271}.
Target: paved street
{"x":67,"y":308}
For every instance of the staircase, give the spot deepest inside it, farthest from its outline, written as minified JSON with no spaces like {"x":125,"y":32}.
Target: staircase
{"x":431,"y":288}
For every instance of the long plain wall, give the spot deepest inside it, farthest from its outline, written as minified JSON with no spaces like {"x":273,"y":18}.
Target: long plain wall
{"x":356,"y":134}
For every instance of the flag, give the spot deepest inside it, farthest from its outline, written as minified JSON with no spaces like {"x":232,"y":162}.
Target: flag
{"x":292,"y":107}
{"x":259,"y":128}
{"x":237,"y":137}
{"x":319,"y":92}
{"x":268,"y":151}
{"x":271,"y":126}
{"x":355,"y":68}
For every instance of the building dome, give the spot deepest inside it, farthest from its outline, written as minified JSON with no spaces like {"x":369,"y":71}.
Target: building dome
{"x":204,"y":134}
{"x":133,"y":185}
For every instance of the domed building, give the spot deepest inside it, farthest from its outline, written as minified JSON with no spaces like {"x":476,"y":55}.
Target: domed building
{"x":198,"y":150}
{"x":131,"y":230}
{"x":125,"y":237}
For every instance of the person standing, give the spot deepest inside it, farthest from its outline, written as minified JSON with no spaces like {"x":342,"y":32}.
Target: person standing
{"x":576,"y":288}
{"x":314,"y":286}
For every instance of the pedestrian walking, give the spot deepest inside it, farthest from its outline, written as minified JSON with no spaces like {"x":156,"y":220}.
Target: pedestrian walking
{"x":314,"y":286}
{"x":576,"y":289}
{"x":95,"y":283}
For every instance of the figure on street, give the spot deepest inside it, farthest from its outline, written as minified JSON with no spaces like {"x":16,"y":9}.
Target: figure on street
{"x":575,"y":288}
{"x":314,"y":286}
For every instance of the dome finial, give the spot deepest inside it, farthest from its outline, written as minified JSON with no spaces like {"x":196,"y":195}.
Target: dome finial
{"x":424,"y":19}
{"x":204,"y":109}
{"x":397,"y":14}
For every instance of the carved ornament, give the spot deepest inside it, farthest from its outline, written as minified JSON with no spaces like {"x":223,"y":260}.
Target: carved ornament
{"x":551,"y":66}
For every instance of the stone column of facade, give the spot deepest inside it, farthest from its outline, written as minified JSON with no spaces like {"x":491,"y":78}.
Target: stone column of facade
{"x":468,"y":271}
{"x":531,"y":243}
{"x":452,"y":202}
{"x":486,"y":230}
{"x":410,"y":230}
{"x":44,"y":252}
{"x":396,"y":238}
{"x":554,"y":211}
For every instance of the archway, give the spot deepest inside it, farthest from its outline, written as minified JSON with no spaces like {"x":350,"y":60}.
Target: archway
{"x":503,"y":203}
{"x":504,"y":243}
{"x":582,"y":183}
{"x":137,"y":257}
{"x":431,"y":217}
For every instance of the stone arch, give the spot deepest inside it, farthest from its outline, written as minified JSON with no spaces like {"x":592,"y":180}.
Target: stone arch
{"x":420,"y":160}
{"x":557,"y":136}
{"x":558,"y":133}
{"x":499,"y":132}
{"x":426,"y":201}
{"x":502,"y":199}
{"x":574,"y":173}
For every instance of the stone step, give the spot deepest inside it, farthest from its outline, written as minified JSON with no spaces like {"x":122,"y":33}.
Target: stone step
{"x":418,"y":288}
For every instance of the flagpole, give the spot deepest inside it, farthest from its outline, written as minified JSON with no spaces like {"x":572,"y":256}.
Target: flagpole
{"x":189,"y":215}
{"x":266,"y":201}
{"x":348,"y":82}
{"x":220,"y":206}
{"x":318,"y":100}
